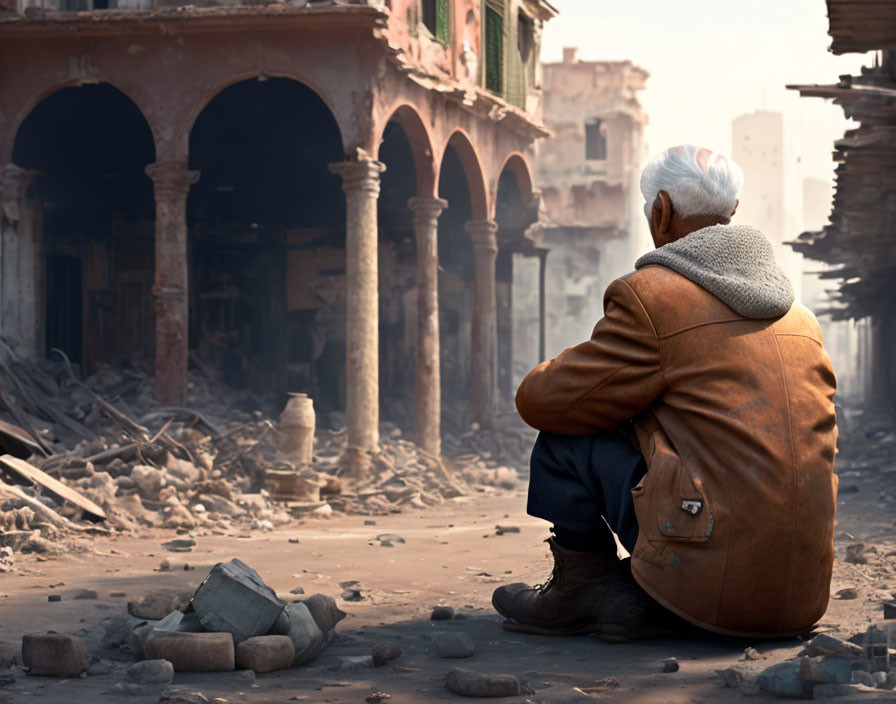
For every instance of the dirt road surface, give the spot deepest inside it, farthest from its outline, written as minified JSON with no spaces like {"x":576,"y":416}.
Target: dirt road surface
{"x":451,"y":556}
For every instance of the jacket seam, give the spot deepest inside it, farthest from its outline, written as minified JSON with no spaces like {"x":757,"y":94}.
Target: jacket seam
{"x":792,"y":476}
{"x":659,"y":352}
{"x":800,"y":334}
{"x":727,"y":553}
{"x":700,"y":325}
{"x":591,"y":390}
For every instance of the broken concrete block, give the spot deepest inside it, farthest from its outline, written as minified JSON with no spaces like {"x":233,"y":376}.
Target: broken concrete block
{"x":838,"y":669}
{"x":474,"y":684}
{"x":829,"y":645}
{"x":782,"y":680}
{"x":192,"y":652}
{"x":234,"y":599}
{"x":307,"y":638}
{"x":151,"y":672}
{"x":265,"y":653}
{"x":54,"y":654}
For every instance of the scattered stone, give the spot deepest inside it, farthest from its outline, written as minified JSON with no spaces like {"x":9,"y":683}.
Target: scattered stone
{"x":862,"y":677}
{"x":782,"y":680}
{"x":351,"y":591}
{"x":265,"y":653}
{"x":348,"y":663}
{"x":192,"y":652}
{"x":324,"y":612}
{"x":180,"y":545}
{"x":389,"y":537}
{"x":825,"y":644}
{"x":501,"y":530}
{"x":171,"y":622}
{"x":117,"y":595}
{"x":838,"y":669}
{"x":182,"y":696}
{"x":856,"y":554}
{"x":384,"y":653}
{"x":752,"y":654}
{"x":234,"y":599}
{"x":84,"y":594}
{"x":54,"y":654}
{"x":733,"y":678}
{"x":100,"y":667}
{"x":670,"y":665}
{"x":889,"y":611}
{"x":294,"y":541}
{"x":377,"y":698}
{"x":7,"y":678}
{"x":369,"y":523}
{"x":308,"y":640}
{"x":452,"y":644}
{"x":54,"y":597}
{"x":297,"y":590}
{"x":151,"y":672}
{"x":474,"y":684}
{"x":847,"y":593}
{"x":442,"y":613}
{"x":811,"y":674}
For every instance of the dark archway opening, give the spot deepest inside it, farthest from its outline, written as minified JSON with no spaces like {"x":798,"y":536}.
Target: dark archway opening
{"x":91,"y":145}
{"x":514,"y":216}
{"x":456,"y":268}
{"x":397,"y":278}
{"x":267,"y":243}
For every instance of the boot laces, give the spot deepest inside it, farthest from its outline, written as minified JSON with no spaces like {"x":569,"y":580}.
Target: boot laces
{"x":556,"y":576}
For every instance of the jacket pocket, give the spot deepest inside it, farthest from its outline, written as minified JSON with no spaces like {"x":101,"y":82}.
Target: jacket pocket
{"x":673,"y":503}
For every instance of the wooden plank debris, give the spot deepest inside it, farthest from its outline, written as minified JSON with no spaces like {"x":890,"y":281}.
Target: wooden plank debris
{"x":27,"y":471}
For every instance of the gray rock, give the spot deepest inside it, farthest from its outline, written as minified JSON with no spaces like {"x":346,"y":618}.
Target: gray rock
{"x":733,"y":678}
{"x":782,"y":680}
{"x":171,"y":622}
{"x":133,"y":689}
{"x":829,"y":645}
{"x":192,"y":652}
{"x":862,"y":677}
{"x":670,"y":665}
{"x":839,"y":669}
{"x":54,"y":654}
{"x":84,"y":594}
{"x":324,"y":612}
{"x":307,"y":638}
{"x":474,"y":684}
{"x":54,"y":597}
{"x":452,"y":644}
{"x":7,"y":677}
{"x":151,"y":672}
{"x":442,"y":613}
{"x":384,"y":653}
{"x":100,"y":667}
{"x":157,"y":605}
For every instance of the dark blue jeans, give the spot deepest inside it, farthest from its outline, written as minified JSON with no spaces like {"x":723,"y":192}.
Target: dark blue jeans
{"x":582,"y":482}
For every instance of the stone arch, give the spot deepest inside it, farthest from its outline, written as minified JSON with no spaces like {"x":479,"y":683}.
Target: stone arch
{"x":421,"y":146}
{"x":460,"y":142}
{"x":516,"y":165}
{"x":185,"y":129}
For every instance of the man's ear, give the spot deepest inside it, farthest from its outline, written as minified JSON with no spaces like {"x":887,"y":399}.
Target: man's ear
{"x":734,"y":209}
{"x":662,"y":207}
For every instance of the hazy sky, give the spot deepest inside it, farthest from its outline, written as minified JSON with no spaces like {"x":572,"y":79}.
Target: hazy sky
{"x":712,"y":60}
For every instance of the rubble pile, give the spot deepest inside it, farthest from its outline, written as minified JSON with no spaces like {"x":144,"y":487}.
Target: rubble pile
{"x":232,"y":621}
{"x":105,"y":451}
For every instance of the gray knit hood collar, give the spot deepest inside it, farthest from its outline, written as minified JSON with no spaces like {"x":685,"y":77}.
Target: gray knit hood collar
{"x":735,"y":263}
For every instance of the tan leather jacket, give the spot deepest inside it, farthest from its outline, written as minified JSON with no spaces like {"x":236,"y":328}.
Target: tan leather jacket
{"x":735,"y":418}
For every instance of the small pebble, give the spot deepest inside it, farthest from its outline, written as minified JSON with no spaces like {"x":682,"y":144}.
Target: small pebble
{"x":54,"y":597}
{"x":848,"y":593}
{"x":294,"y":541}
{"x":670,"y":665}
{"x":384,"y":653}
{"x":442,"y":613}
{"x":452,"y":644}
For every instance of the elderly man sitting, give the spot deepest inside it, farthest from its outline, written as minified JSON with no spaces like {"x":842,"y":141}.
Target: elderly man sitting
{"x":697,"y":424}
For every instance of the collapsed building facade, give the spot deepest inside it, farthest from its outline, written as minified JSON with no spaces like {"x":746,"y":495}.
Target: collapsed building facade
{"x":591,"y":224}
{"x":857,"y":245}
{"x":301,"y":196}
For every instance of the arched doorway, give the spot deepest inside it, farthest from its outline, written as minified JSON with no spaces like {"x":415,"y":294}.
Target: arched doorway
{"x":518,"y":257}
{"x":397,"y":277}
{"x":267,"y":243}
{"x":460,"y":183}
{"x":90,"y":145}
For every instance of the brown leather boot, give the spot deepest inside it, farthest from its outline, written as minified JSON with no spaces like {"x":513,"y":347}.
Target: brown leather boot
{"x":587,"y":592}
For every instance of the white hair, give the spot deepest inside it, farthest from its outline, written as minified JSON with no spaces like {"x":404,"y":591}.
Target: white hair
{"x":699,"y":181}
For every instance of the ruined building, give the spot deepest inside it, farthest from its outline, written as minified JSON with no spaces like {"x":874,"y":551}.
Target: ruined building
{"x":291,"y":196}
{"x":591,"y":225}
{"x":857,"y":243}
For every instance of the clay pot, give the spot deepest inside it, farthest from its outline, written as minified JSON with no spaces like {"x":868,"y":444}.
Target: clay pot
{"x":296,"y":426}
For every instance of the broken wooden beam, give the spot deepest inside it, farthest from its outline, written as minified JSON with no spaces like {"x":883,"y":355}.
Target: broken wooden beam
{"x":23,"y":469}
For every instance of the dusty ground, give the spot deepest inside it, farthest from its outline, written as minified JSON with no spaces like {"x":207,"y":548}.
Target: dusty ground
{"x":451,"y":556}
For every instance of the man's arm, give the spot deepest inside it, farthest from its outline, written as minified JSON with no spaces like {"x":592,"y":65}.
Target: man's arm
{"x":603,"y":382}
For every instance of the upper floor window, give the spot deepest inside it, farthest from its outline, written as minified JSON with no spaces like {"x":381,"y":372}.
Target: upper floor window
{"x":437,"y":18}
{"x":494,"y":46}
{"x":595,"y":141}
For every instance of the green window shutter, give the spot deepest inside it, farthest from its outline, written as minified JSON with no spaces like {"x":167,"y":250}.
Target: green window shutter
{"x":494,"y":50}
{"x":443,"y":20}
{"x":429,"y":15}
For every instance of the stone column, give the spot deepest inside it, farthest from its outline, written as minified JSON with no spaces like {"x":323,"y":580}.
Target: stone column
{"x":427,"y":382}
{"x":542,"y":315}
{"x":361,"y":183}
{"x":21,"y":263}
{"x":485,"y":321}
{"x":171,"y":182}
